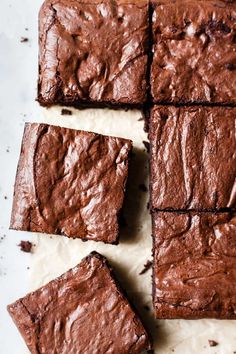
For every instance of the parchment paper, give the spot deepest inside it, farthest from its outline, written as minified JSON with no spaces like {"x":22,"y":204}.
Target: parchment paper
{"x":54,"y":255}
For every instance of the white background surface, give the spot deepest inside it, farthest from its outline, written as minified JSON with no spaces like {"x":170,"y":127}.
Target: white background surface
{"x":52,"y":256}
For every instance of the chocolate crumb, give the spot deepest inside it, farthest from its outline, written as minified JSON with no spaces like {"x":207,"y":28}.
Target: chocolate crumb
{"x":7,"y":150}
{"x":26,"y":29}
{"x":148,"y":206}
{"x":28,"y":267}
{"x":5,"y":197}
{"x":25,"y":246}
{"x":66,"y":112}
{"x":24,"y":39}
{"x":147,"y":145}
{"x":212,"y":343}
{"x":146,"y":307}
{"x":140,"y":119}
{"x":143,"y":187}
{"x":146,"y":267}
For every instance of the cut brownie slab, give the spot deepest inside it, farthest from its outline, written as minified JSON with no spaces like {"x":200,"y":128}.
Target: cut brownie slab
{"x":70,"y":182}
{"x":83,"y":311}
{"x":93,"y":52}
{"x":193,"y":158}
{"x":194,"y":51}
{"x":194,"y":273}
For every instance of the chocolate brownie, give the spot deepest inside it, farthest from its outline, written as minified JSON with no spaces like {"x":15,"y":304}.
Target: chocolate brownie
{"x":193,"y":158}
{"x":194,"y":51}
{"x":194,"y":274}
{"x":70,"y":182}
{"x":93,"y":53}
{"x":82,"y":311}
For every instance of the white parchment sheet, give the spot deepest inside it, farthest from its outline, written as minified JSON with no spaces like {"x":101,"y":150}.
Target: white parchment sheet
{"x":55,"y":254}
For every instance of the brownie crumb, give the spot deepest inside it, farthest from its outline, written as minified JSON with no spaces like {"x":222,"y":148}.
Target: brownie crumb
{"x":140,"y":119}
{"x":143,"y":187}
{"x":25,"y":246}
{"x":24,"y":39}
{"x":26,"y":29}
{"x":146,"y":267}
{"x":146,"y":307}
{"x":148,"y":206}
{"x":28,"y":268}
{"x":5,"y":197}
{"x":66,"y":112}
{"x":212,"y":343}
{"x":147,"y":145}
{"x":7,"y":150}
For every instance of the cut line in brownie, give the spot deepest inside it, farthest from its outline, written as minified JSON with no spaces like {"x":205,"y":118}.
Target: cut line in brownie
{"x":93,"y":53}
{"x":193,"y":158}
{"x":83,"y":311}
{"x":194,"y":271}
{"x":70,"y":182}
{"x":194,"y":51}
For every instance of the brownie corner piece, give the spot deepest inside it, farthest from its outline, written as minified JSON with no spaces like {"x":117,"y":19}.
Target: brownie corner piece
{"x":194,"y":52}
{"x":193,"y":159}
{"x":63,"y":183}
{"x":194,"y":265}
{"x":56,"y":317}
{"x":93,"y":53}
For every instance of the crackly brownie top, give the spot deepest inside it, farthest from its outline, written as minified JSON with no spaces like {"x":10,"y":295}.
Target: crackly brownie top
{"x":70,"y":182}
{"x":194,"y":265}
{"x":194,"y":51}
{"x":83,"y":311}
{"x":93,"y":51}
{"x":193,"y":163}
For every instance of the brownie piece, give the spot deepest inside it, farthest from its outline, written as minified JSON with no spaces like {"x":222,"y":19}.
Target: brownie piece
{"x":82,"y":311}
{"x":193,"y":158}
{"x":70,"y":182}
{"x":93,"y":53}
{"x":194,"y":273}
{"x":194,"y":51}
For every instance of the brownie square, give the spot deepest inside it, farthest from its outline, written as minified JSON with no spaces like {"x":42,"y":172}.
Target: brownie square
{"x":194,"y":272}
{"x":194,"y":51}
{"x":193,"y":158}
{"x":93,"y":53}
{"x":82,"y":311}
{"x":70,"y":182}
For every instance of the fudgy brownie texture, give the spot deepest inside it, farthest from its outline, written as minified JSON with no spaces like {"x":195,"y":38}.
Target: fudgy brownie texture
{"x":93,"y":52}
{"x":194,"y":273}
{"x":194,"y":51}
{"x":82,"y":311}
{"x":70,"y":182}
{"x":193,"y":158}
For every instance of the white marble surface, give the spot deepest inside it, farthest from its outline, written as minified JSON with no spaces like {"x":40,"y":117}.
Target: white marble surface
{"x":52,"y":256}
